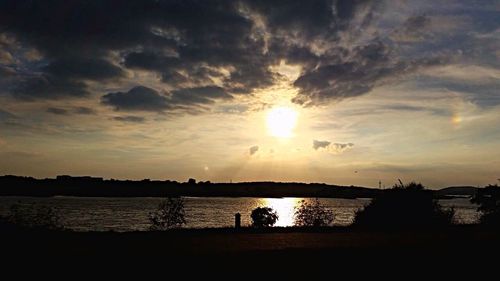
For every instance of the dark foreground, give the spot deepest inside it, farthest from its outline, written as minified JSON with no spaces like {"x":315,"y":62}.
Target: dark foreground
{"x":460,"y":243}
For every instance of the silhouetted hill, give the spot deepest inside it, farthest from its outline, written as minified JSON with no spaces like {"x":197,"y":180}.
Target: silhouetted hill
{"x":99,"y":187}
{"x":456,"y":191}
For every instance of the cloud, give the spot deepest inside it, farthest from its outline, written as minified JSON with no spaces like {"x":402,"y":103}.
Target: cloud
{"x":147,"y":99}
{"x":139,"y":98}
{"x":199,"y":95}
{"x":341,"y":147}
{"x":6,"y":57}
{"x":84,"y":110}
{"x":203,"y":52}
{"x":415,"y":28}
{"x":253,"y":149}
{"x":130,"y":118}
{"x":6,"y":71}
{"x":74,"y":110}
{"x":335,"y":148}
{"x":366,"y":67}
{"x":57,"y":111}
{"x":232,"y":46}
{"x":320,"y":144}
{"x":83,"y":68}
{"x":47,"y":87}
{"x":5,"y":115}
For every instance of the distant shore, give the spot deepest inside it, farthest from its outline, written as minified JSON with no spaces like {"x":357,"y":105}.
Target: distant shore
{"x":99,"y":187}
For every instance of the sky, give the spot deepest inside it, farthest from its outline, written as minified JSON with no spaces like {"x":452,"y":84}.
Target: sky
{"x":348,"y":92}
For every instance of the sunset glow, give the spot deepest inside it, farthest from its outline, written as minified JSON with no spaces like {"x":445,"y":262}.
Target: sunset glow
{"x":281,"y":122}
{"x":252,"y":90}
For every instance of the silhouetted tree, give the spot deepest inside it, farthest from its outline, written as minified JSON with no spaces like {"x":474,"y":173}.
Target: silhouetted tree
{"x":33,"y":215}
{"x":488,"y":199}
{"x":263,"y":217}
{"x":191,"y":181}
{"x":170,"y":214}
{"x":404,"y":206}
{"x":313,"y":214}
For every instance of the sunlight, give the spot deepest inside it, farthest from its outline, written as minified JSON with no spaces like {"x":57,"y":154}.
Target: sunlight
{"x":281,"y":121}
{"x":285,"y":207}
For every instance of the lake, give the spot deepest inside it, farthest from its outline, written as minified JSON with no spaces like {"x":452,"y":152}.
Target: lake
{"x":131,"y":214}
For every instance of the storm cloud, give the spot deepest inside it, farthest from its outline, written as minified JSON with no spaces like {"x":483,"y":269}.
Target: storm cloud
{"x":138,"y":98}
{"x":142,"y":98}
{"x":202,"y":52}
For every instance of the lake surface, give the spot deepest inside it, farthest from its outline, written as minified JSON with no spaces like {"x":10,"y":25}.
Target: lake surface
{"x":129,"y":214}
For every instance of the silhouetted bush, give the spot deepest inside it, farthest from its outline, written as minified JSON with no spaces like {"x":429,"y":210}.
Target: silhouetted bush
{"x":170,"y":214}
{"x":404,"y":206}
{"x":263,"y":217}
{"x":33,"y":216}
{"x":313,"y":214}
{"x":488,"y":199}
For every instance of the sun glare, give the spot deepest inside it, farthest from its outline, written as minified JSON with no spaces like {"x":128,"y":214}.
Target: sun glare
{"x":281,"y":122}
{"x":285,"y":207}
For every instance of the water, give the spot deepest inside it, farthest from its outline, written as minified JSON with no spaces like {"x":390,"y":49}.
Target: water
{"x":129,"y":214}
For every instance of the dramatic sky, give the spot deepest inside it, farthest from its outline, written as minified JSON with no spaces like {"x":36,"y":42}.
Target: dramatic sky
{"x":339,"y":91}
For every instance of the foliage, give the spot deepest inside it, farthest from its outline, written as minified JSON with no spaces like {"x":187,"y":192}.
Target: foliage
{"x":488,"y":199}
{"x":404,"y":206}
{"x":263,"y":217}
{"x":170,"y":214}
{"x":32,"y":215}
{"x":313,"y":214}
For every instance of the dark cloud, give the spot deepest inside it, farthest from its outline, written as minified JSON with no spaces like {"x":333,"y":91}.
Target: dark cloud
{"x":77,"y":38}
{"x":6,"y":71}
{"x":138,"y":98}
{"x":414,"y":29}
{"x":57,"y":111}
{"x":5,"y":115}
{"x":84,"y":110}
{"x":48,"y":87}
{"x":320,"y":144}
{"x":75,"y":110}
{"x":253,"y":149}
{"x":367,"y":67}
{"x":150,"y":61}
{"x":335,"y":148}
{"x":83,"y":68}
{"x":340,"y":147}
{"x":226,"y":45}
{"x":130,"y":118}
{"x":147,"y":99}
{"x":482,"y":93}
{"x":178,"y":39}
{"x":199,"y":95}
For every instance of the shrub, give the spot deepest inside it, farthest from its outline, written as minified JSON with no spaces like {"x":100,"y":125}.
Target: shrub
{"x":263,"y":217}
{"x":404,"y":206}
{"x":313,"y":214}
{"x":170,"y":214}
{"x":33,"y":216}
{"x":488,"y":199}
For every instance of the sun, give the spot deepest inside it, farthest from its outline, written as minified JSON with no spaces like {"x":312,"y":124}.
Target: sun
{"x":281,"y":122}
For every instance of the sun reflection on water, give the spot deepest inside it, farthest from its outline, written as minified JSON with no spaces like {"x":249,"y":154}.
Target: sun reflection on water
{"x":285,"y":207}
